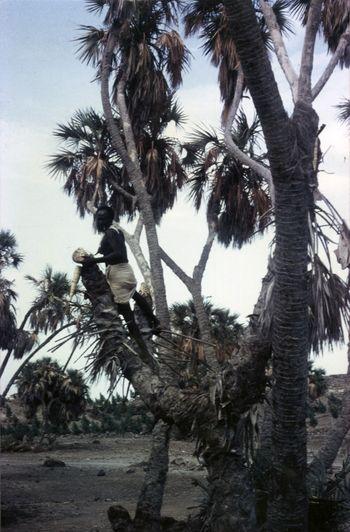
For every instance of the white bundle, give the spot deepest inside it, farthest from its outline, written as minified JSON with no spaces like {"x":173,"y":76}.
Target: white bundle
{"x":75,"y":281}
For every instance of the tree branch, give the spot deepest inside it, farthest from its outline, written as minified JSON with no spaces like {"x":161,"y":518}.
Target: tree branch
{"x":125,"y":118}
{"x":186,"y":279}
{"x":126,"y":194}
{"x":198,"y":270}
{"x":138,"y":228}
{"x":280,"y":48}
{"x":307,"y":57}
{"x":261,"y":170}
{"x":116,"y":138}
{"x":343,"y":42}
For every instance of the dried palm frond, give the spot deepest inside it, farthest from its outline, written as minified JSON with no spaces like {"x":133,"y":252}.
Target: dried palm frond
{"x":238,"y":200}
{"x":335,"y":20}
{"x":329,"y":306}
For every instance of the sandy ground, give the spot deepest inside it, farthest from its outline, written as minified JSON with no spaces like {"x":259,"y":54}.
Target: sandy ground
{"x":62,"y":499}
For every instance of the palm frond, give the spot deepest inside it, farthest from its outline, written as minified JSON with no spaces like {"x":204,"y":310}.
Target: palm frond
{"x":178,"y":55}
{"x":344,"y":111}
{"x":50,"y":308}
{"x":90,"y":45}
{"x":329,"y":306}
{"x":96,"y":6}
{"x":335,"y":20}
{"x":281,"y":8}
{"x":8,"y":328}
{"x":298,"y":8}
{"x":9,"y":255}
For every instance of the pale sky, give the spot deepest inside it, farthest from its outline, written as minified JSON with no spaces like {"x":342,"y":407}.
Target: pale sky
{"x":44,"y":83}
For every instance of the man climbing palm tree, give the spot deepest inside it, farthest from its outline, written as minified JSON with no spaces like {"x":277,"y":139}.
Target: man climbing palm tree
{"x":119,"y":273}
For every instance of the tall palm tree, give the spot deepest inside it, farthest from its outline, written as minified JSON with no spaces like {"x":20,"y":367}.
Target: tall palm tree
{"x":237,"y":198}
{"x":50,"y":309}
{"x":43,"y":386}
{"x":48,"y":312}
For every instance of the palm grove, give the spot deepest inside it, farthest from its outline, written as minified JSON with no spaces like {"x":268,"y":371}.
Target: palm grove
{"x":249,"y":176}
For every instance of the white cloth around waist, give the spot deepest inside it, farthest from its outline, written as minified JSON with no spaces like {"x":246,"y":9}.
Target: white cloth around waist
{"x":122,"y":281}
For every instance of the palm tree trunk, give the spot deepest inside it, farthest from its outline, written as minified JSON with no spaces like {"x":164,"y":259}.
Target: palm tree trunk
{"x":151,"y":496}
{"x":289,"y":144}
{"x":245,"y":383}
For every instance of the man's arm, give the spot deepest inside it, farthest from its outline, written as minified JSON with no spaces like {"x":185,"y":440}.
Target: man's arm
{"x":116,"y":242}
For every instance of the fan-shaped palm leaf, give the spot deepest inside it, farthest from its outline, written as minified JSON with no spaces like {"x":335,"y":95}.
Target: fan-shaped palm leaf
{"x":9,"y":256}
{"x":237,"y":198}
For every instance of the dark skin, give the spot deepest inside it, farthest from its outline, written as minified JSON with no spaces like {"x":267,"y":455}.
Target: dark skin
{"x":114,"y":241}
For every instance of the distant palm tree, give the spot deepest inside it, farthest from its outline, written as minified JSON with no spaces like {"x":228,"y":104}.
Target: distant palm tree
{"x":237,"y":198}
{"x":60,"y":397}
{"x":49,"y":308}
{"x":225,"y":329}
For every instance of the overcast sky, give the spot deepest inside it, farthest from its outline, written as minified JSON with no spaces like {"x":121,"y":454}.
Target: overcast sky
{"x":44,"y":83}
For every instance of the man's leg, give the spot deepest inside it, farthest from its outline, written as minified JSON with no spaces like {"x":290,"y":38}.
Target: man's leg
{"x":125,"y":310}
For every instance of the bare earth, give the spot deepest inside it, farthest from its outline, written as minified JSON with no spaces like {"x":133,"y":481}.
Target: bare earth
{"x":62,"y":499}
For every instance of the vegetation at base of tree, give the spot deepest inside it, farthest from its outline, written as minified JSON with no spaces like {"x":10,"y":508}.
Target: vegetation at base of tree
{"x":329,"y":496}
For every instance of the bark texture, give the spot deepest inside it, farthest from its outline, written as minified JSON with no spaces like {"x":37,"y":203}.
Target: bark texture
{"x":147,"y":512}
{"x":290,"y":149}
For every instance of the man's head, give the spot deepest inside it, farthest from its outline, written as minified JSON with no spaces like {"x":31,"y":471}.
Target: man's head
{"x":103,"y":218}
